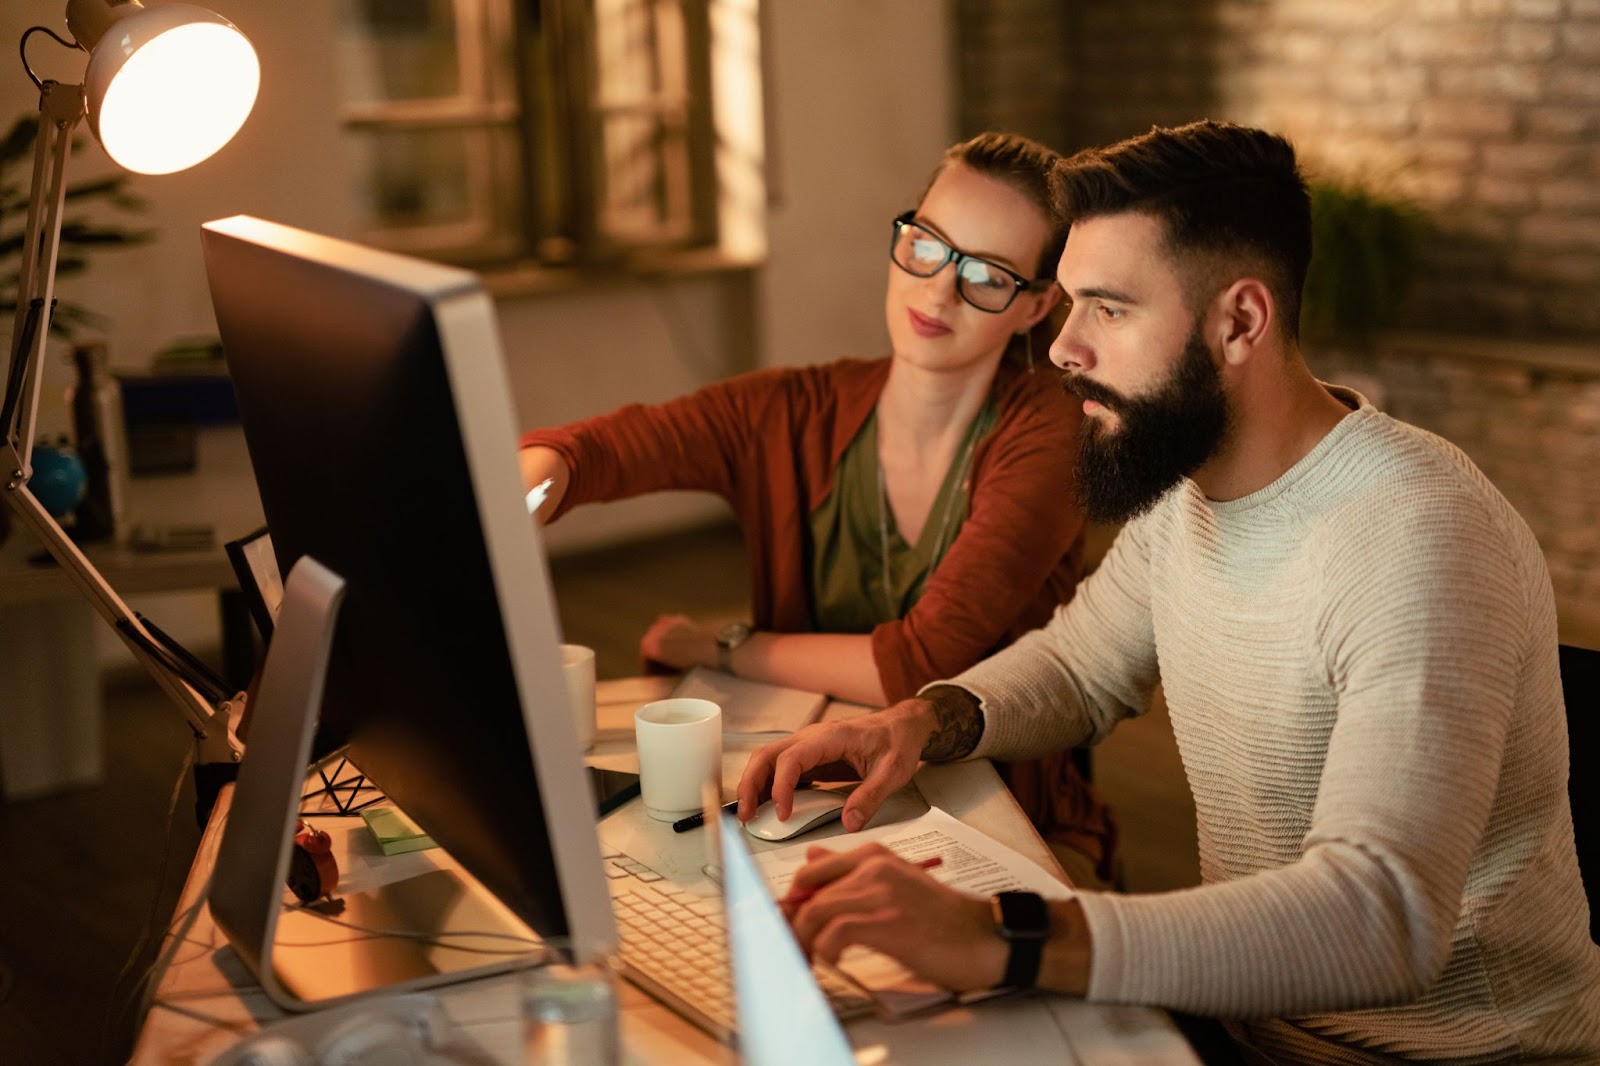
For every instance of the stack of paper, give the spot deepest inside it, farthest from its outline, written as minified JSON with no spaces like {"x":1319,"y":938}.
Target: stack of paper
{"x":969,"y":861}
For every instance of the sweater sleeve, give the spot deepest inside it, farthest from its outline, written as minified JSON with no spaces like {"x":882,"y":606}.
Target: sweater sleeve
{"x":695,"y":442}
{"x":1090,"y":666}
{"x":1022,"y":518}
{"x":1422,"y":631}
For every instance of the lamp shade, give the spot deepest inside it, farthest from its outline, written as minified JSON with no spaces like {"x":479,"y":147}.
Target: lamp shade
{"x":168,"y":86}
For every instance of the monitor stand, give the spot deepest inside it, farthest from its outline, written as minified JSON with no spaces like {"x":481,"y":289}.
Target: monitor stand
{"x":302,"y":961}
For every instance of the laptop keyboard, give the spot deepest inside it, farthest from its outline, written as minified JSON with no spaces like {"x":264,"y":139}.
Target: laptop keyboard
{"x":674,"y":946}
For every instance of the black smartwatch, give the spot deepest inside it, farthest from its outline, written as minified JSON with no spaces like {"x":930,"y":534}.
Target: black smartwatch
{"x":728,"y":638}
{"x":1023,"y":922}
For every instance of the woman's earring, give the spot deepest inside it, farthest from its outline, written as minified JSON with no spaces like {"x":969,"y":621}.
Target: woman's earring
{"x":1027,"y":346}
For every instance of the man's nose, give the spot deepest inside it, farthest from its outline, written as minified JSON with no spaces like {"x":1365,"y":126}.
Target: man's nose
{"x":1068,"y":351}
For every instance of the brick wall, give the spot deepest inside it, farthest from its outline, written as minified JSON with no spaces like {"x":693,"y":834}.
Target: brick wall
{"x":1485,"y":113}
{"x":1527,"y":415}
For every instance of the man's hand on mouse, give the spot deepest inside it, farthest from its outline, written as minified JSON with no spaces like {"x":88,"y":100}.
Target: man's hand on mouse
{"x":884,"y":749}
{"x":871,"y":896}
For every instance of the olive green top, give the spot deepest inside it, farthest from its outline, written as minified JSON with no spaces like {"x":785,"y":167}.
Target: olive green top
{"x":848,"y":531}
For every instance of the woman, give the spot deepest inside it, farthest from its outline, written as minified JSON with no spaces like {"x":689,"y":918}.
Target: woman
{"x":903,"y":517}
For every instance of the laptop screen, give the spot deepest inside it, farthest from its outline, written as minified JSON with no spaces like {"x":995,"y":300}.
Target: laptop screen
{"x":784,"y":1020}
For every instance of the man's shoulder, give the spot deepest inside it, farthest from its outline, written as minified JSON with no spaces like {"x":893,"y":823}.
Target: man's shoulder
{"x":1408,"y":470}
{"x":1401,"y":491}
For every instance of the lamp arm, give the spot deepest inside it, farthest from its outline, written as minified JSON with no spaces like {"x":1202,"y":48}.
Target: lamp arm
{"x":61,"y":107}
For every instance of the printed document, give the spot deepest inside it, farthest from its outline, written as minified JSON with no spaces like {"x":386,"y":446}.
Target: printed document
{"x":970,"y":862}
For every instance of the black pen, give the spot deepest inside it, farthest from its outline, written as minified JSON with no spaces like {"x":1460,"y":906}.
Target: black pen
{"x":698,"y":819}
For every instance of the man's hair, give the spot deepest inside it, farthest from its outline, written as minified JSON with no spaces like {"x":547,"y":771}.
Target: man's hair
{"x":1227,"y":196}
{"x":1026,"y":166}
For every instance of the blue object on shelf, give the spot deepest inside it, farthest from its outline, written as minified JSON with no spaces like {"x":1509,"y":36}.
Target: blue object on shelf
{"x":59,"y":481}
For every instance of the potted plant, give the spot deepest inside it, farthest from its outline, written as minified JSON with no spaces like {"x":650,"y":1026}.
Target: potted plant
{"x":1365,"y":249}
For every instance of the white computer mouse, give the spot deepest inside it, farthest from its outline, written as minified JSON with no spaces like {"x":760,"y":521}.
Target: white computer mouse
{"x":812,"y":808}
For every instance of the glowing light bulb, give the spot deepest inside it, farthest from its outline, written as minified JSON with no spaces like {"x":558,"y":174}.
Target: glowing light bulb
{"x":169,"y":86}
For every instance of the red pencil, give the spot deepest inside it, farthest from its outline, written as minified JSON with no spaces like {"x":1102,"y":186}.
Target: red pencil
{"x":794,"y":899}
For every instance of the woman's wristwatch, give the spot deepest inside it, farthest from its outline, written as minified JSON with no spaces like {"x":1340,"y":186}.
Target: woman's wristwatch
{"x":728,"y":638}
{"x":1023,"y":922}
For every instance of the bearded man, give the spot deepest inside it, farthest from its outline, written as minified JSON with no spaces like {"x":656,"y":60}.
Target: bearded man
{"x":1357,"y":638}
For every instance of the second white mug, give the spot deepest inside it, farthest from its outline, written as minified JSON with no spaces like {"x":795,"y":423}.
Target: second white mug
{"x":577,"y":669}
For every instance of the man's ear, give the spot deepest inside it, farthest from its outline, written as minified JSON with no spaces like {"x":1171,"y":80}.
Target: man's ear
{"x":1245,"y":312}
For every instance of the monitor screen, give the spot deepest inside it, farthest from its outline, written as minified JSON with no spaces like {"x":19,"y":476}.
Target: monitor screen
{"x":375,"y":405}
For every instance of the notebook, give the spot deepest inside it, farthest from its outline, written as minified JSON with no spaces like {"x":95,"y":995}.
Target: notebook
{"x":753,"y":707}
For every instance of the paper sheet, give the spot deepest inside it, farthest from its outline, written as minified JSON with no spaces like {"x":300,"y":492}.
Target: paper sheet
{"x":971,"y":862}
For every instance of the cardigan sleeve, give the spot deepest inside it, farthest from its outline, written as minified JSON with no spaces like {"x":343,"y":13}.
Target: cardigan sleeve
{"x":1022,"y":519}
{"x":695,"y":442}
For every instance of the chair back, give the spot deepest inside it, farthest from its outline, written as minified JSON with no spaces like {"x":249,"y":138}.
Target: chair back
{"x":1580,"y":685}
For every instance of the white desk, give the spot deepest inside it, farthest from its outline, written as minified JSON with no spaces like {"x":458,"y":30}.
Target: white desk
{"x":206,"y":1000}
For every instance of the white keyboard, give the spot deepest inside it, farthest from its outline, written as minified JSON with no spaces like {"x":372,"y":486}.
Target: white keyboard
{"x":674,"y":947}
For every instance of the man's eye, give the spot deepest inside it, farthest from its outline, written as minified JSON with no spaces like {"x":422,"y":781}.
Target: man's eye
{"x":1111,"y":313}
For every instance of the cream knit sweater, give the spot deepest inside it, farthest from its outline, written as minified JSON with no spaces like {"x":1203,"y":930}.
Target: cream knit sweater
{"x":1360,"y":662}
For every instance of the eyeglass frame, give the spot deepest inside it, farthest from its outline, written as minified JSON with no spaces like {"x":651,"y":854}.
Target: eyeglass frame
{"x":955,"y":255}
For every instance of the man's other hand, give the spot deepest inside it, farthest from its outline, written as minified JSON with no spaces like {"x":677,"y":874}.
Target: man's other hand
{"x":884,"y":748}
{"x":872,"y":897}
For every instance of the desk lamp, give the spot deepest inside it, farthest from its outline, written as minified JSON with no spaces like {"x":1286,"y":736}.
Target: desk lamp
{"x":164,"y":88}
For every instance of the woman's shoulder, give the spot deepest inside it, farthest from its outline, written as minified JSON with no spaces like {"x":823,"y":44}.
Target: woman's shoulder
{"x":822,"y":385}
{"x":1036,"y":394}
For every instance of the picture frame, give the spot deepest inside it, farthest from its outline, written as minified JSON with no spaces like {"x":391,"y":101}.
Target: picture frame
{"x":260,"y":581}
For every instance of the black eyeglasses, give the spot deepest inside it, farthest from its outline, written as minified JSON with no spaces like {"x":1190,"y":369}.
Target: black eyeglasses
{"x":986,"y":285}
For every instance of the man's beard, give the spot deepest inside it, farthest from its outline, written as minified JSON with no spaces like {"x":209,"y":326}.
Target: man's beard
{"x":1161,"y":438}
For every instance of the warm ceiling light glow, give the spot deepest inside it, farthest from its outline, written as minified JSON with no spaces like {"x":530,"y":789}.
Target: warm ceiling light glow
{"x":170,"y":86}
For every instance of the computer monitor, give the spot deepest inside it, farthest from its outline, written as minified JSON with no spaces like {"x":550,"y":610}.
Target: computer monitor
{"x":375,"y":405}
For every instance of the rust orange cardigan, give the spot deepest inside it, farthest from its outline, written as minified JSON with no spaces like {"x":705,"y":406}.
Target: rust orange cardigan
{"x":769,"y":442}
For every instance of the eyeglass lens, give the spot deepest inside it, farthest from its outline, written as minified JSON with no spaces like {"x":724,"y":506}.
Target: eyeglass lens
{"x":981,"y":283}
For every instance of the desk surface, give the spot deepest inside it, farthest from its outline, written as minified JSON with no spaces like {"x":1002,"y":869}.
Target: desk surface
{"x":206,"y":1000}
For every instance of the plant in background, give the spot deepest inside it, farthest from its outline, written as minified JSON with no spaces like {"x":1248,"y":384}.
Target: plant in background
{"x":1365,"y":248}
{"x":80,"y":237}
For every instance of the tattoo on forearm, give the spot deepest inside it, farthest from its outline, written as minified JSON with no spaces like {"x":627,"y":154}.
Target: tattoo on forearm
{"x":960,"y":723}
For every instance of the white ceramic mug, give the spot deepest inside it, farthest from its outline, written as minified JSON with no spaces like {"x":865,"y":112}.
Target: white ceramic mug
{"x":680,"y":749}
{"x":577,"y":669}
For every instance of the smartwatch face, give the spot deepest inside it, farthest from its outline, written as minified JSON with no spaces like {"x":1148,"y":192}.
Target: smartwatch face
{"x":1023,"y":914}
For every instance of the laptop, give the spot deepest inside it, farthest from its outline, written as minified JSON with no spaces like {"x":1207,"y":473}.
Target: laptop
{"x":726,"y":961}
{"x":784,"y":1019}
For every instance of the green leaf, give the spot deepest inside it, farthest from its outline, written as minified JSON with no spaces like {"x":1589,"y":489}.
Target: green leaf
{"x":1364,"y":255}
{"x":101,"y":186}
{"x":18,"y":141}
{"x":83,"y":233}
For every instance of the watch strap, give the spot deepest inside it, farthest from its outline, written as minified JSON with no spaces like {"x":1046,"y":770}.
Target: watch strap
{"x":728,"y":638}
{"x":1023,"y":921}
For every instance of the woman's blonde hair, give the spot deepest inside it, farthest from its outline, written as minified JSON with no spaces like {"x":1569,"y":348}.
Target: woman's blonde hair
{"x":1025,"y":165}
